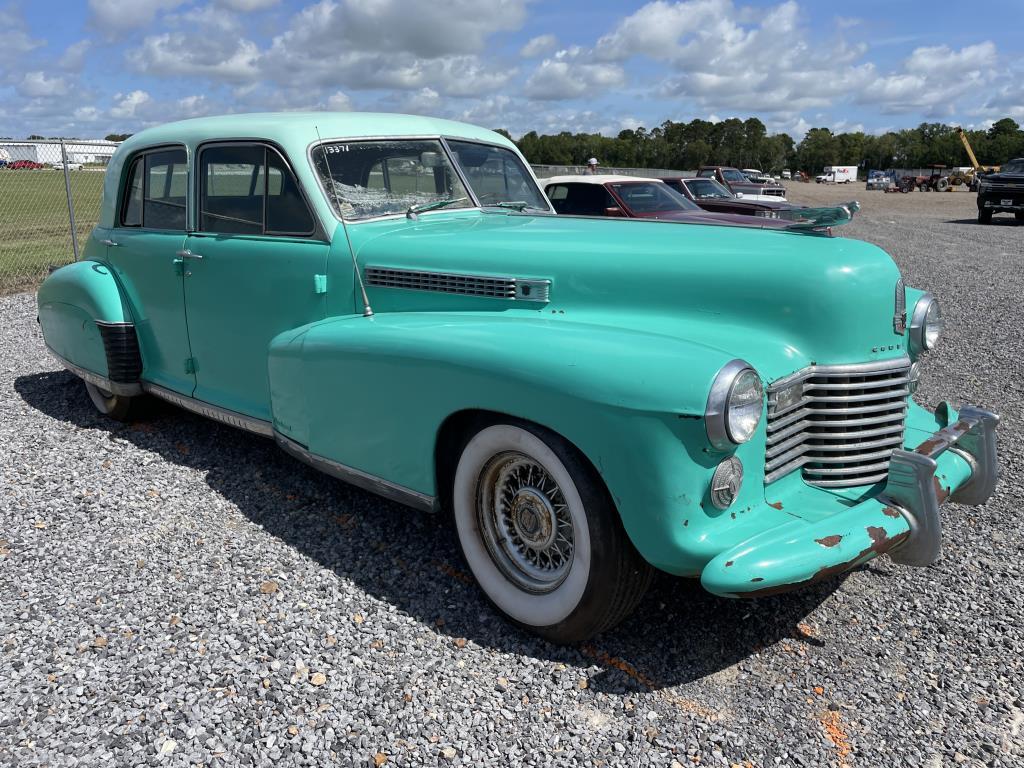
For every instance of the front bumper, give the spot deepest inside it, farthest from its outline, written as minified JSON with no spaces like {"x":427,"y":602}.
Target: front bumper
{"x":958,"y":462}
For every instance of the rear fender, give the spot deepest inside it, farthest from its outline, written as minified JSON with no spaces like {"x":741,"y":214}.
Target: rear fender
{"x":86,"y":322}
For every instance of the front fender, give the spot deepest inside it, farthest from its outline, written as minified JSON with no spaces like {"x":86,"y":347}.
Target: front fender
{"x":372,"y":393}
{"x":71,"y":301}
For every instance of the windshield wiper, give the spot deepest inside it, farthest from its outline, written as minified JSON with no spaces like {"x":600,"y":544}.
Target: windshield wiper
{"x":414,"y":209}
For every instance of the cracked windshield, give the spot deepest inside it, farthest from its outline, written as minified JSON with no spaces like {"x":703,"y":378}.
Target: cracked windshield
{"x":377,"y":178}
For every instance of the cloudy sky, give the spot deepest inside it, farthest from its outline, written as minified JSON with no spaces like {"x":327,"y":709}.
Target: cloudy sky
{"x":90,"y":68}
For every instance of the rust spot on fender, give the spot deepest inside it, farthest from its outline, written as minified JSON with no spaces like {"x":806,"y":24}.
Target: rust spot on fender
{"x":757,"y":578}
{"x":944,"y":438}
{"x":685,"y":523}
{"x":940,"y":493}
{"x":891,"y":512}
{"x":728,"y":563}
{"x":829,"y":541}
{"x":775,"y":505}
{"x":930,"y":446}
{"x":879,"y":545}
{"x":878,"y":535}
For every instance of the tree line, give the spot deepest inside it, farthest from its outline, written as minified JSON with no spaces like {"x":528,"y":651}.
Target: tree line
{"x":746,"y":144}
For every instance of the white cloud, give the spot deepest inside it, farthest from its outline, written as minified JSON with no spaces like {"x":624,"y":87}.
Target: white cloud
{"x":129,"y":104}
{"x":172,"y":54}
{"x":15,"y":40}
{"x":74,"y":55}
{"x":539,"y":46}
{"x":570,"y":74}
{"x":37,"y":84}
{"x":248,"y":5}
{"x":119,"y":15}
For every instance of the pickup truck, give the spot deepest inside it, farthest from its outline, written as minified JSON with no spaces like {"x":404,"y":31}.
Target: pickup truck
{"x":739,"y":184}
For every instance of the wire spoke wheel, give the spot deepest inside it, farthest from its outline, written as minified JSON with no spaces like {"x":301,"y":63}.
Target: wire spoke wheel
{"x":525,"y":522}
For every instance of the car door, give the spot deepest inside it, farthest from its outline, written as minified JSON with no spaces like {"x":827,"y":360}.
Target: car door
{"x":142,"y":251}
{"x":256,"y":265}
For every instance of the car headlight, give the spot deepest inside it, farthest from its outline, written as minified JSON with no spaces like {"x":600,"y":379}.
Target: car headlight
{"x":925,"y":324}
{"x":734,"y":405}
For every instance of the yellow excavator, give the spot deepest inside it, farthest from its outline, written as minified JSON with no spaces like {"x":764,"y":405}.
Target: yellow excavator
{"x":970,"y":177}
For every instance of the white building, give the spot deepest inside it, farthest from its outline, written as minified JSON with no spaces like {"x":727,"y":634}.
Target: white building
{"x":79,"y":151}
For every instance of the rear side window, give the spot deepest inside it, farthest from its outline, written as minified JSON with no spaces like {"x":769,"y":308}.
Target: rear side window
{"x":581,"y":199}
{"x":249,"y":190}
{"x":155,"y":191}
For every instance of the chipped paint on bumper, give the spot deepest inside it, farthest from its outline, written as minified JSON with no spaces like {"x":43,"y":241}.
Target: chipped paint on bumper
{"x":957,"y":462}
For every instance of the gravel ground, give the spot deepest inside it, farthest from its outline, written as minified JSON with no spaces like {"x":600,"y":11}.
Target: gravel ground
{"x":175,"y":592}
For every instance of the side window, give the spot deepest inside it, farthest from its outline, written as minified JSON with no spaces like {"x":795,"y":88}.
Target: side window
{"x":707,"y":173}
{"x":131,"y":207}
{"x":228,"y":181}
{"x":248,"y":190}
{"x":287,"y":212}
{"x":558,"y":195}
{"x":163,"y":205}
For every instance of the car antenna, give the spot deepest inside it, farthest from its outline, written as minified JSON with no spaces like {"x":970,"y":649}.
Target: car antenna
{"x":367,"y":312}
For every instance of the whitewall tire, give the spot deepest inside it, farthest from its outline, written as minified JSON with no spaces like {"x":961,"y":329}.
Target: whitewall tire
{"x":118,"y":407}
{"x":541,"y":536}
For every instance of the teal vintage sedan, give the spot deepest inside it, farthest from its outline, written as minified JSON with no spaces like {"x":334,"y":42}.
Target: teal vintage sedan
{"x":391,"y":299}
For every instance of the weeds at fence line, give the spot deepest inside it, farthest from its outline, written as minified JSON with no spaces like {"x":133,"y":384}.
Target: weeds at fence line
{"x":44,"y":187}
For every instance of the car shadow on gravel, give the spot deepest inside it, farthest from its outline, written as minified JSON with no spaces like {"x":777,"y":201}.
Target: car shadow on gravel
{"x":997,"y":221}
{"x":411,"y":560}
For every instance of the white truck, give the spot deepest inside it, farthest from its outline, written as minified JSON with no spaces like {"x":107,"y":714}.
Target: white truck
{"x":837,"y":174}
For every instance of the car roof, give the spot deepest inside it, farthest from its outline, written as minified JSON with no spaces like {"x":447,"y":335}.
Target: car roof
{"x":596,"y":178}
{"x":283,"y":127}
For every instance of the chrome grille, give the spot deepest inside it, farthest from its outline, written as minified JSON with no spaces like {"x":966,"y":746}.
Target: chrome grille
{"x":465,"y":285}
{"x":840,"y":426}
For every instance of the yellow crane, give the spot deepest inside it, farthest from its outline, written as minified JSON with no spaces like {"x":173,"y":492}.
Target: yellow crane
{"x":978,"y":167}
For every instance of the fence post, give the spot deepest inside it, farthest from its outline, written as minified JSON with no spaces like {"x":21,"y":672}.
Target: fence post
{"x":71,"y":205}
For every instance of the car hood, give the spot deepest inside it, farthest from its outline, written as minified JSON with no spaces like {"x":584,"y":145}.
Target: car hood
{"x":714,"y":217}
{"x":780,"y":300}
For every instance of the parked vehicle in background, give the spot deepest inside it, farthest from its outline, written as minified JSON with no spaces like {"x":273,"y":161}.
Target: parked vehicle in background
{"x":758,"y":177}
{"x":740,"y":185}
{"x":591,"y":398}
{"x":882,"y":180}
{"x":634,"y":197}
{"x":1002,"y":192}
{"x":977,"y":168}
{"x":25,"y":165}
{"x":59,"y":166}
{"x":786,"y":173}
{"x":837,"y":174}
{"x":712,"y":196}
{"x":936,"y":181}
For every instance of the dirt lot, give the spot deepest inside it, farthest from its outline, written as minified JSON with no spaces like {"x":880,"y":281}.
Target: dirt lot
{"x":180,"y":593}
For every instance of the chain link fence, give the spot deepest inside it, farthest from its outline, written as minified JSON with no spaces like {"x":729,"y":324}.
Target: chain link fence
{"x":49,"y":202}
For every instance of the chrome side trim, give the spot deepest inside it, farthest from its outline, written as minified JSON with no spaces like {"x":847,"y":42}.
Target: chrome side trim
{"x":899,"y":315}
{"x":114,"y":387}
{"x":223,"y":415}
{"x":356,"y":477}
{"x":920,"y":312}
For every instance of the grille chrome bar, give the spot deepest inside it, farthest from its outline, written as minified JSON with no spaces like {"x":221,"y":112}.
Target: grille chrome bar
{"x":844,"y":425}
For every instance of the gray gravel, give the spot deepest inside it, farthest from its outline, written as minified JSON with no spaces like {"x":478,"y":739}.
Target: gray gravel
{"x":175,"y":592}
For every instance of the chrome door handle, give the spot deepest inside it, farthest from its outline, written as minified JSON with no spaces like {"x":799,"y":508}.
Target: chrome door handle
{"x":109,"y":243}
{"x":187,"y":254}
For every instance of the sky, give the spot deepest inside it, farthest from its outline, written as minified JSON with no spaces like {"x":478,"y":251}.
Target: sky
{"x":87,"y":69}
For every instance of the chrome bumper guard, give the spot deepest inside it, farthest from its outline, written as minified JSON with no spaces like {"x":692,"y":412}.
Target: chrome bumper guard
{"x":913,"y":489}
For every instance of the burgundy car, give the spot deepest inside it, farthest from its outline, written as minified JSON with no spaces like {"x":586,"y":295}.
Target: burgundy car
{"x":712,"y":196}
{"x":635,"y":198}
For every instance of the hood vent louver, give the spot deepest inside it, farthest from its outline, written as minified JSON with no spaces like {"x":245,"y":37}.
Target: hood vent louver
{"x":509,"y":288}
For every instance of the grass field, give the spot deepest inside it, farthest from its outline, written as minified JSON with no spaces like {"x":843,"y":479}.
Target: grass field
{"x":34,"y":230}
